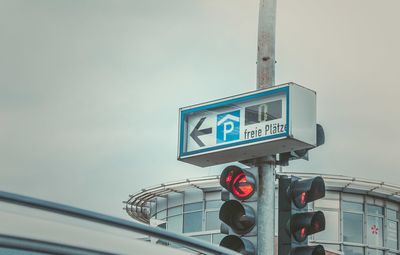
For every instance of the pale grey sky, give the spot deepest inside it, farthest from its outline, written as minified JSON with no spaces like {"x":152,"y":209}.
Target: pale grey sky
{"x":90,"y":90}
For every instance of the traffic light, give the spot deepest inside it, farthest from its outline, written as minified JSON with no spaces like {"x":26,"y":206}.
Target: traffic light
{"x":239,"y":214}
{"x":284,"y":158}
{"x":296,"y":223}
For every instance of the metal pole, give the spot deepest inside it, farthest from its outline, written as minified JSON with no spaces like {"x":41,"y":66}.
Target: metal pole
{"x":266,"y":166}
{"x":266,"y":44}
{"x":266,"y":206}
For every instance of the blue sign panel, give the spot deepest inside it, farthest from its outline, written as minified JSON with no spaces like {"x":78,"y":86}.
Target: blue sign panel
{"x":228,"y":126}
{"x":237,"y":121}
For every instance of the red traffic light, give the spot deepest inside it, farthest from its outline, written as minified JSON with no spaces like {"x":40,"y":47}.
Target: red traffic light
{"x":305,"y":191}
{"x":305,"y":224}
{"x":239,"y":182}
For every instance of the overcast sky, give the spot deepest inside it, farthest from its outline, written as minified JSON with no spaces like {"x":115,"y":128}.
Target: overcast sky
{"x":90,"y":90}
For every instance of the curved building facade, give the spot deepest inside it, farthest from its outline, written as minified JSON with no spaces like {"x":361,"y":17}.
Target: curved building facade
{"x":362,"y":216}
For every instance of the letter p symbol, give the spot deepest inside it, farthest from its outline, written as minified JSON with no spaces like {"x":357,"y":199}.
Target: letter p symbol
{"x":228,"y":126}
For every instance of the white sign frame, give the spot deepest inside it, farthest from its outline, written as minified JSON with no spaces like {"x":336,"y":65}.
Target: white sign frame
{"x":300,"y":127}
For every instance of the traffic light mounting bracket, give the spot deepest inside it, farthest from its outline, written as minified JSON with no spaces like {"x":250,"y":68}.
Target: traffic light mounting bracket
{"x":284,"y":158}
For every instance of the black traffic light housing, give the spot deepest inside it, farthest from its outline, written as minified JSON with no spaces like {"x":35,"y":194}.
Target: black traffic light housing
{"x":240,"y":183}
{"x":301,"y":192}
{"x":238,"y":244}
{"x":295,"y":222}
{"x":240,"y":217}
{"x":239,"y":214}
{"x":284,"y":158}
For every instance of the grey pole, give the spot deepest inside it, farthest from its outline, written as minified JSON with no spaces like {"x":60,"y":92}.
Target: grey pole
{"x":266,"y":44}
{"x":266,"y":166}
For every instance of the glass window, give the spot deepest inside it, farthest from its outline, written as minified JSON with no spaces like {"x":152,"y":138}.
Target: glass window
{"x":352,"y":227}
{"x":374,"y":252}
{"x":374,"y":230}
{"x":193,"y":196}
{"x":192,"y":222}
{"x":331,"y":232}
{"x":161,"y":215}
{"x":351,"y":206}
{"x":175,"y":199}
{"x":392,"y":234}
{"x":352,"y":250}
{"x":193,"y":207}
{"x":174,"y":211}
{"x":374,"y":209}
{"x":175,"y":224}
{"x":161,"y":203}
{"x":215,"y":204}
{"x":392,"y":214}
{"x":212,"y":220}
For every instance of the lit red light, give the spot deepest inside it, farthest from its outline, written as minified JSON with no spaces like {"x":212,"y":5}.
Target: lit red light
{"x":303,"y":198}
{"x":240,"y":187}
{"x":303,"y":232}
{"x":228,"y":178}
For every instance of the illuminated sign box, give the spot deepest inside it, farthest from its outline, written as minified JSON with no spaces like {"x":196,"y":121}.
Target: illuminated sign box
{"x":247,"y":126}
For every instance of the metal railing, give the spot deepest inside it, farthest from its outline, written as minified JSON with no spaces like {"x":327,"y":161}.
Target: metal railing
{"x":62,"y":209}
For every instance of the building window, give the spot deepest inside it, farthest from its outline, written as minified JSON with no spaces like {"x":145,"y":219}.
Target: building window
{"x":352,"y":250}
{"x":161,"y":215}
{"x":352,"y":207}
{"x":193,"y":217}
{"x":175,"y":224}
{"x":374,"y":231}
{"x":374,"y":252}
{"x":193,"y":207}
{"x":352,"y":227}
{"x":392,"y":229}
{"x":374,"y":210}
{"x":192,"y":222}
{"x":374,"y":225}
{"x":214,"y":204}
{"x":174,"y":211}
{"x":352,"y":222}
{"x":212,"y":215}
{"x":212,"y":220}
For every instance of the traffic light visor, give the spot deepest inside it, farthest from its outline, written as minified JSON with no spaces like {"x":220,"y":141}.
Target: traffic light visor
{"x":239,"y":182}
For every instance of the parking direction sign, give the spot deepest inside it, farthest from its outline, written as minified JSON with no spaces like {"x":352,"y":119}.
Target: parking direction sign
{"x":250,"y":125}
